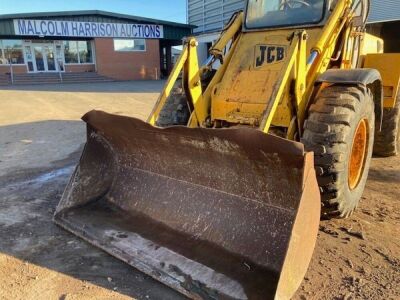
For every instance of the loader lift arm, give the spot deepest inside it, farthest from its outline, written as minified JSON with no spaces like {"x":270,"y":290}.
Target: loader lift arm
{"x":188,"y":65}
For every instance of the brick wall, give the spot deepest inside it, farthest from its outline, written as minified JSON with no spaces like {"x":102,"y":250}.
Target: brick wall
{"x":19,"y":69}
{"x":127,"y":65}
{"x":80,"y":68}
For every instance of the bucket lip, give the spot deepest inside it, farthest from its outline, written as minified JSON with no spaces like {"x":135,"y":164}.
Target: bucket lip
{"x":96,"y":118}
{"x":147,"y":260}
{"x":109,"y":125}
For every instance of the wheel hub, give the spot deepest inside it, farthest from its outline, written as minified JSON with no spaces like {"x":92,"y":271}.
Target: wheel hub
{"x":358,"y":153}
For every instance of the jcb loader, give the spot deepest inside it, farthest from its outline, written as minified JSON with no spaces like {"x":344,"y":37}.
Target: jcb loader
{"x":219,"y":194}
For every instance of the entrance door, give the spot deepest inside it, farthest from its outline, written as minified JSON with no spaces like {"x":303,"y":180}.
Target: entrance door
{"x":44,"y":58}
{"x":50,"y":57}
{"x":39,"y":59}
{"x":29,"y":58}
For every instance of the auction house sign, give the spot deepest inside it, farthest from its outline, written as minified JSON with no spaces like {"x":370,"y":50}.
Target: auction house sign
{"x":50,"y":28}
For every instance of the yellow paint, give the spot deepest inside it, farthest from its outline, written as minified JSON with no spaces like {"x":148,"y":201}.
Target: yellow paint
{"x":279,"y":89}
{"x":168,"y":87}
{"x":371,"y":45}
{"x":389,"y":67}
{"x":194,"y":85}
{"x":331,"y":26}
{"x":246,"y":85}
{"x":252,"y":90}
{"x":251,"y":94}
{"x":198,"y":118}
{"x":301,"y":76}
{"x":219,"y":46}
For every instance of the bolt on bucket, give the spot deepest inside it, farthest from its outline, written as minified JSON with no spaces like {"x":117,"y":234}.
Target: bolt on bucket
{"x":212,"y":213}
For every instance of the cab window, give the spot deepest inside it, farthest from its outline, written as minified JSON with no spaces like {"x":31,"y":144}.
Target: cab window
{"x":284,"y":13}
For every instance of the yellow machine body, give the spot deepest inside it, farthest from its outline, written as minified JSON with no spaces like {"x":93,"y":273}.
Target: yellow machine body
{"x":226,"y":206}
{"x":266,"y":79}
{"x":244,"y":92}
{"x":388,"y":64}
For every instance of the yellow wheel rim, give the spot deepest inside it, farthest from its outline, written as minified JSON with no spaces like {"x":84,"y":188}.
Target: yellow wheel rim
{"x":358,"y":154}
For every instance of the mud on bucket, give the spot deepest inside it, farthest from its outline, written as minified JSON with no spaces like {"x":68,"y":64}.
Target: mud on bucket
{"x":212,"y":213}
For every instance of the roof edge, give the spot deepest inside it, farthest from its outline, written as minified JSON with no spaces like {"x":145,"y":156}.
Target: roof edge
{"x":92,"y":12}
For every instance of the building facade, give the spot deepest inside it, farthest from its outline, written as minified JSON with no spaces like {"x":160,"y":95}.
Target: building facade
{"x":118,"y":46}
{"x":384,"y":21}
{"x":210,"y":16}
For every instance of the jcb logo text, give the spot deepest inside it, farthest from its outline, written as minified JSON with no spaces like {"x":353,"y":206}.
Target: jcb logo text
{"x":269,"y":54}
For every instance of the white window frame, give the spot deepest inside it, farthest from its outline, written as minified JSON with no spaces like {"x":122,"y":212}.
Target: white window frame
{"x":79,"y":57}
{"x":29,"y":44}
{"x":145,"y":45}
{"x":33,"y":44}
{"x":61,"y":44}
{"x":3,"y":53}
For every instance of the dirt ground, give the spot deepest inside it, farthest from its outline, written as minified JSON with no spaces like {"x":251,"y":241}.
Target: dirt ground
{"x":41,"y":138}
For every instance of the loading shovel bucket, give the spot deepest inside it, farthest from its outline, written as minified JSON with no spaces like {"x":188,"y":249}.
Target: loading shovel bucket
{"x":212,"y":213}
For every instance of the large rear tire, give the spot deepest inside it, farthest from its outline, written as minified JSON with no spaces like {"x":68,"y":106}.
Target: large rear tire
{"x":340,"y":131}
{"x":387,"y":140}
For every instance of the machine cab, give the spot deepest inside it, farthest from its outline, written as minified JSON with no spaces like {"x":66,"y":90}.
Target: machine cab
{"x":261,"y":14}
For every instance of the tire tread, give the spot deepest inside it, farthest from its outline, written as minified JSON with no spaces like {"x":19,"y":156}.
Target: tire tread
{"x":325,"y":132}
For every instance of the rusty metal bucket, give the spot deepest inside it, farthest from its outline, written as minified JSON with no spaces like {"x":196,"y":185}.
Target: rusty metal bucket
{"x":212,"y":213}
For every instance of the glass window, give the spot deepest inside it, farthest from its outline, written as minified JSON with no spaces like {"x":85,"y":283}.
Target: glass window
{"x":71,"y":52}
{"x":129,"y":45}
{"x":280,"y":13}
{"x":76,"y":52}
{"x":85,"y":52}
{"x":12,"y":52}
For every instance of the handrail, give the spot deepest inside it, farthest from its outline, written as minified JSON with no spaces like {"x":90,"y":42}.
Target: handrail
{"x":11,"y":72}
{"x":59,"y":71}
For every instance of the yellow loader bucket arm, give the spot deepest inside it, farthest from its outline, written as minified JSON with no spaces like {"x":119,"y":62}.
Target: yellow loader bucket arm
{"x":188,"y":66}
{"x":212,"y":213}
